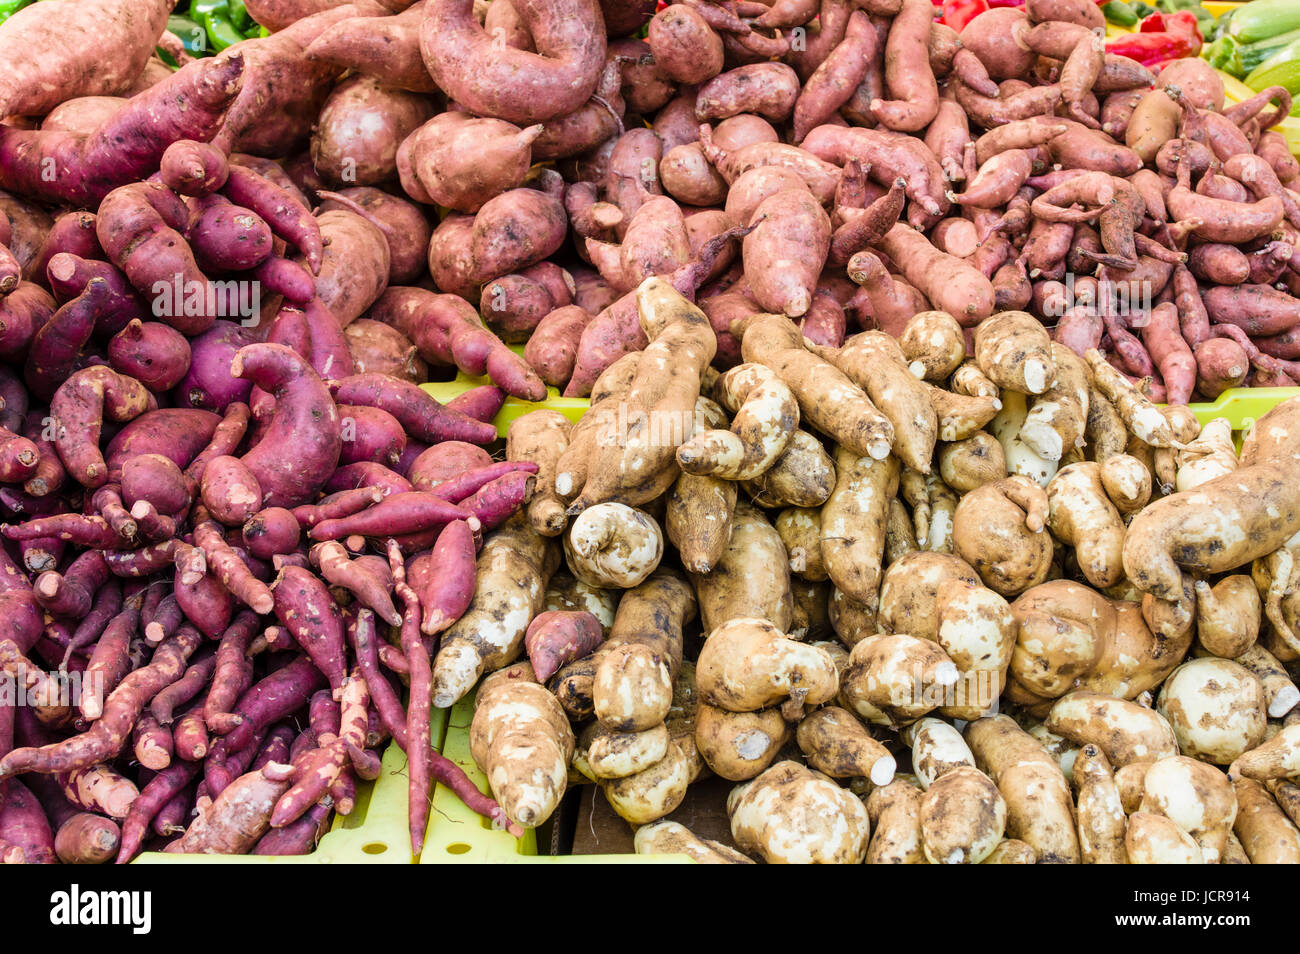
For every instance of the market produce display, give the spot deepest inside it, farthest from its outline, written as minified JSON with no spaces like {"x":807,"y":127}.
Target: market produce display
{"x":887,"y":504}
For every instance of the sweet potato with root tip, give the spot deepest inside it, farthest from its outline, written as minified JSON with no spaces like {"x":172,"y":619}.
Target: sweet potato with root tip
{"x":56,"y":348}
{"x":403,"y":223}
{"x":379,"y":348}
{"x":516,"y":85}
{"x":683,"y":45}
{"x":435,"y":165}
{"x":80,"y":406}
{"x":355,"y":267}
{"x":194,"y":168}
{"x":423,"y":417}
{"x":155,"y":354}
{"x":400,"y":514}
{"x":515,"y":304}
{"x":229,"y":237}
{"x":233,"y":822}
{"x":481,"y":403}
{"x":786,"y":251}
{"x":360,"y":128}
{"x":516,"y":229}
{"x":22,"y":314}
{"x":385,"y":47}
{"x":208,"y":383}
{"x":948,"y":282}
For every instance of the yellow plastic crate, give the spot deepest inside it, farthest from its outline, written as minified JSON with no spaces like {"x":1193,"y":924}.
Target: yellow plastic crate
{"x":376,"y":832}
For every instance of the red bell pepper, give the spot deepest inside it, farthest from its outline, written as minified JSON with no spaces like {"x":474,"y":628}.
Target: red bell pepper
{"x":958,"y":13}
{"x":1010,"y":3}
{"x":1179,"y":40}
{"x":1155,"y":23}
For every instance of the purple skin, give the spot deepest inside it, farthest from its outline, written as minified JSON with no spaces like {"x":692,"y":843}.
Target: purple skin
{"x":14,"y":395}
{"x":280,"y":276}
{"x":358,"y":577}
{"x":469,"y":483}
{"x":413,"y":512}
{"x":271,"y":531}
{"x":156,"y":479}
{"x":68,"y":276}
{"x":344,"y":503}
{"x":207,"y":604}
{"x":54,"y":350}
{"x":160,"y":790}
{"x":370,"y":434}
{"x":305,"y":608}
{"x":230,"y":491}
{"x":299,"y":837}
{"x":133,"y":564}
{"x":24,"y":826}
{"x":448,"y":461}
{"x":495,"y":501}
{"x":230,"y":238}
{"x":403,"y":223}
{"x":74,"y":528}
{"x":111,"y":659}
{"x":450,"y":587}
{"x":284,"y":214}
{"x":274,"y":747}
{"x":188,"y":105}
{"x":107,"y":604}
{"x":22,"y":313}
{"x":194,"y":168}
{"x":107,"y":501}
{"x":72,"y":593}
{"x":20,"y":616}
{"x":50,"y":475}
{"x":178,"y":434}
{"x":225,"y":440}
{"x":42,"y":554}
{"x":365,"y":474}
{"x":300,"y":447}
{"x":413,"y":450}
{"x":233,"y":673}
{"x":222,"y":767}
{"x":422,"y":416}
{"x":208,"y":383}
{"x":73,"y":233}
{"x":482,"y":404}
{"x":156,"y":355}
{"x":550,"y":643}
{"x":330,"y":355}
{"x":280,"y":694}
{"x":199,"y":674}
{"x":172,"y":817}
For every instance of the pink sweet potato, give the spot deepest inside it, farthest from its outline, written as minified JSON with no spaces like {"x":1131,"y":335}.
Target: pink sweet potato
{"x":398,"y":515}
{"x":517,"y":229}
{"x":360,"y":128}
{"x":553,"y":345}
{"x":385,"y":47}
{"x":230,"y":491}
{"x":422,"y":416}
{"x":206,"y":603}
{"x":355,"y":267}
{"x":72,"y":232}
{"x":557,"y":637}
{"x":514,"y":305}
{"x":482,"y":403}
{"x":80,"y":406}
{"x":301,"y":446}
{"x":156,"y":355}
{"x":369,"y":587}
{"x":271,"y":531}
{"x":23,"y":313}
{"x":229,"y":238}
{"x":685,"y":48}
{"x":305,"y":609}
{"x":403,"y":223}
{"x":56,"y":347}
{"x":446,"y":461}
{"x":461,"y":161}
{"x":238,"y":817}
{"x":194,"y":168}
{"x":156,"y":479}
{"x":370,"y":434}
{"x":25,"y":832}
{"x":450,"y":588}
{"x":68,"y":276}
{"x":367,"y":475}
{"x":516,"y":85}
{"x":786,"y":251}
{"x":494,"y":502}
{"x":382,"y":349}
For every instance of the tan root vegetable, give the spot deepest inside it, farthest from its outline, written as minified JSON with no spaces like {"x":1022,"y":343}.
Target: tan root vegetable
{"x":1216,"y":708}
{"x":853,"y":523}
{"x":520,"y":738}
{"x":895,"y":818}
{"x":653,"y":793}
{"x":750,"y":579}
{"x":1279,"y":757}
{"x":671,"y":838}
{"x":1267,"y":836}
{"x":746,"y":664}
{"x":999,"y":530}
{"x":803,"y":476}
{"x":1013,"y":349}
{"x":1127,"y":483}
{"x":1038,"y":799}
{"x":1080,"y":515}
{"x":978,"y":631}
{"x":1011,"y":851}
{"x":837,"y":743}
{"x":1211,"y":455}
{"x":766,"y":414}
{"x":739,"y":745}
{"x":793,"y":815}
{"x":1196,"y":797}
{"x":613,"y":545}
{"x":800,"y":529}
{"x":963,"y":816}
{"x":972,"y":462}
{"x":1020,"y":459}
{"x":1100,"y":812}
{"x":698,"y":519}
{"x":1228,"y":615}
{"x":620,"y":754}
{"x":1124,"y":730}
{"x":1055,"y":423}
{"x":541,"y":437}
{"x":1280,"y":693}
{"x":937,"y":749}
{"x":1155,"y":840}
{"x":933,"y":344}
{"x":885,"y":673}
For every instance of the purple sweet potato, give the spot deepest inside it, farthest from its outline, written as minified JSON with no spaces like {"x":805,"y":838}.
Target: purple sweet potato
{"x":385,"y":47}
{"x":450,"y":588}
{"x":160,"y":789}
{"x":367,"y":475}
{"x":482,"y":403}
{"x":25,"y":834}
{"x":72,"y":592}
{"x":403,"y":223}
{"x":495,"y":501}
{"x":80,"y":406}
{"x":68,"y":275}
{"x":422,"y":416}
{"x":514,"y":305}
{"x":300,"y":447}
{"x":156,"y":355}
{"x":188,"y":105}
{"x":179,"y":434}
{"x":23,"y":312}
{"x":285,"y":213}
{"x":87,"y":839}
{"x":225,"y":563}
{"x":370,"y":434}
{"x":517,"y":229}
{"x":57,"y":346}
{"x":157,"y":479}
{"x":271,"y":531}
{"x":232,"y":674}
{"x":355,"y":266}
{"x":371,"y":588}
{"x":382,"y":349}
{"x":304,"y":607}
{"x":360,"y":127}
{"x":558,"y":637}
{"x":553,"y":346}
{"x":229,"y":238}
{"x":461,"y":161}
{"x":72,"y":233}
{"x":207,"y":604}
{"x":230,"y":491}
{"x":194,"y":168}
{"x":398,"y":515}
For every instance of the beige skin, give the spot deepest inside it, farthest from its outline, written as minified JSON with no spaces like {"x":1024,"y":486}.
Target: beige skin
{"x":937,"y":748}
{"x":1124,"y":730}
{"x":900,"y":535}
{"x":671,"y":838}
{"x":1061,"y":638}
{"x":827,"y":398}
{"x":1228,"y":615}
{"x":874,"y":362}
{"x":1105,"y":431}
{"x":973,"y":462}
{"x":766,"y":414}
{"x":963,"y":816}
{"x":620,"y":754}
{"x":803,"y":476}
{"x":606,"y":394}
{"x":1280,"y":693}
{"x":1014,"y":350}
{"x":999,"y":530}
{"x":541,"y":436}
{"x":851,"y":621}
{"x":632,"y":688}
{"x":853,"y":523}
{"x":1279,"y":757}
{"x":1287,"y":794}
{"x":836,"y":743}
{"x":1080,"y":515}
{"x":510,"y":583}
{"x":909,"y":591}
{"x":794,"y":815}
{"x":698,"y":519}
{"x":978,"y":631}
{"x":752,"y":577}
{"x":895,"y":816}
{"x":943,"y":509}
{"x":1142,"y":418}
{"x":961,"y":415}
{"x":739,"y":745}
{"x":1056,"y":421}
{"x":1274,"y":576}
{"x":520,"y":738}
{"x":880,"y":685}
{"x":811,"y":618}
{"x":1039,"y":806}
{"x":1127,"y":482}
{"x":1155,"y":840}
{"x":1267,"y":836}
{"x":1100,"y":813}
{"x":1216,"y":709}
{"x":746,"y":664}
{"x":969,"y":380}
{"x":613,"y":545}
{"x":1020,"y":459}
{"x":1212,"y":454}
{"x":1010,"y":851}
{"x":1198,"y":798}
{"x":933,"y":345}
{"x":653,"y":793}
{"x":800,"y":529}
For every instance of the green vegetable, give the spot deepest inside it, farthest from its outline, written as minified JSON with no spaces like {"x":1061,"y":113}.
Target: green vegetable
{"x":10,"y":7}
{"x":192,"y":35}
{"x":1281,"y":69}
{"x":1262,"y":19}
{"x":239,"y":16}
{"x":1119,"y":12}
{"x":221,"y":31}
{"x":1142,"y":9}
{"x":1253,"y":55}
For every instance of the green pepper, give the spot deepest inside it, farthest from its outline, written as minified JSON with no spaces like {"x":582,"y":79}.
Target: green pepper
{"x":200,"y":7}
{"x":10,"y":7}
{"x":221,"y":31}
{"x":1120,"y":13}
{"x":239,"y":16}
{"x":1141,"y":9}
{"x":192,"y":35}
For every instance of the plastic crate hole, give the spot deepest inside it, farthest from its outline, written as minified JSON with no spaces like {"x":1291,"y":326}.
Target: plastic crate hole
{"x":374,"y":848}
{"x":459,"y":848}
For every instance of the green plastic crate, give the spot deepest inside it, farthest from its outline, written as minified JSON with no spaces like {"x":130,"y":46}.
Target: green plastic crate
{"x":376,"y":832}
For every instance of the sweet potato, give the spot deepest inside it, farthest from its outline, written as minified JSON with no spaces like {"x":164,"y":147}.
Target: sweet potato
{"x":360,"y":128}
{"x":385,"y":47}
{"x":785,"y":252}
